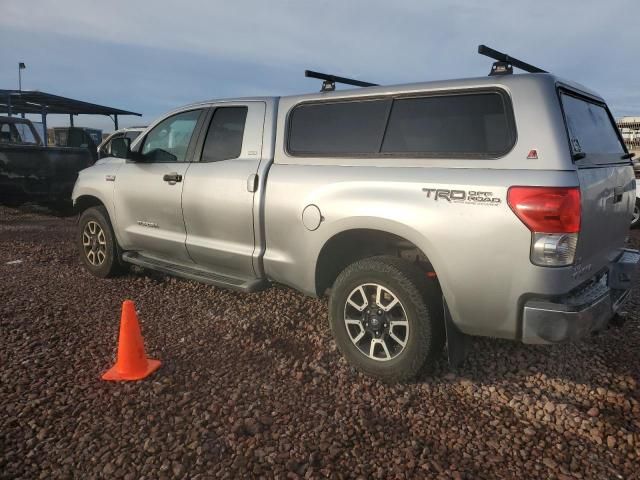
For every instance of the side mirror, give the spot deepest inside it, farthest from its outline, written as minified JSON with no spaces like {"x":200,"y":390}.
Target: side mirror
{"x":121,"y":147}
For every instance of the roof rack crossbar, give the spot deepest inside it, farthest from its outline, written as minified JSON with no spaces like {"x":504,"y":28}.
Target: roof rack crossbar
{"x":330,"y":81}
{"x":503,"y":58}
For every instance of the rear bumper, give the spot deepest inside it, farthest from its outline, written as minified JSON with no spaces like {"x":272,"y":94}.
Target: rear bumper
{"x":580,"y":313}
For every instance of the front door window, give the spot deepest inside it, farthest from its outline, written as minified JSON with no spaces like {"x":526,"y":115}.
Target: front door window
{"x":168,"y":141}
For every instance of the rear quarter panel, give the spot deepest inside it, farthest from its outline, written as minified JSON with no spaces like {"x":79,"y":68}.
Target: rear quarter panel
{"x":480,"y":251}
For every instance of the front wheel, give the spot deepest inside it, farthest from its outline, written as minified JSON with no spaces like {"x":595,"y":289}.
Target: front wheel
{"x":635,"y":219}
{"x":99,"y":251}
{"x":387,"y":317}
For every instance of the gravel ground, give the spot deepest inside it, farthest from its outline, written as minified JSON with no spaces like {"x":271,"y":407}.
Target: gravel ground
{"x":252,"y":385}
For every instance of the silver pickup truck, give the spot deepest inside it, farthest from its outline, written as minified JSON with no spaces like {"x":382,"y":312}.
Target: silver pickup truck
{"x":494,"y":206}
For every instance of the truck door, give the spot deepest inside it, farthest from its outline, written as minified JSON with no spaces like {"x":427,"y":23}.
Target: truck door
{"x":148,"y":191}
{"x":218,"y":195}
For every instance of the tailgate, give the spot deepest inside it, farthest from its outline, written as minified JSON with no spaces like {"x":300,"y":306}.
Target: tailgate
{"x":608,"y":196}
{"x":605,"y":173}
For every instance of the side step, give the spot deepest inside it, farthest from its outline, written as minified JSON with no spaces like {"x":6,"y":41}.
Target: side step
{"x":196,"y":274}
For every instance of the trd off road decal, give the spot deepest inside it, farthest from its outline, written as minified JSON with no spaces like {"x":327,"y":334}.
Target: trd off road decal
{"x":473,"y":197}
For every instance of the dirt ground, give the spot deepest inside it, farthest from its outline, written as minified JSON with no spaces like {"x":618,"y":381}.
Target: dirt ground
{"x":252,"y":385}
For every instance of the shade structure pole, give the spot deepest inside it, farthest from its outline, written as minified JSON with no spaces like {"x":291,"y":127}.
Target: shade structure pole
{"x":45,"y":140}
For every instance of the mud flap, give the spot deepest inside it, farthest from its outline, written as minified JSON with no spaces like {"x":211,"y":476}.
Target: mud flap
{"x":457,"y":342}
{"x":624,"y":272}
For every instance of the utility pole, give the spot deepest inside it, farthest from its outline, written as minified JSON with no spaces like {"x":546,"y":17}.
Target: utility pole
{"x":21,"y":66}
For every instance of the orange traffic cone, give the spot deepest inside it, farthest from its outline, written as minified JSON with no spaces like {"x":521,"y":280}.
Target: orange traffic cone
{"x":132,"y":363}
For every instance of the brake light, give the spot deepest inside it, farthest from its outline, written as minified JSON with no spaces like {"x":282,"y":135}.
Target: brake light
{"x":547,"y":209}
{"x":553,"y":216}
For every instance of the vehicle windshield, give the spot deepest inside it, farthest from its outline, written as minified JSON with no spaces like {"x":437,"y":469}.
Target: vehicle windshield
{"x":132,"y":135}
{"x":591,"y":129}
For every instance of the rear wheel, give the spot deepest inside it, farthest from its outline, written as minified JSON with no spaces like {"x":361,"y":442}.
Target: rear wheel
{"x":387,"y":318}
{"x":99,"y":250}
{"x":635,"y":219}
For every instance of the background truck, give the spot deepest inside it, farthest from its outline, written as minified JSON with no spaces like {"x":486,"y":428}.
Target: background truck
{"x":31,"y":171}
{"x":78,"y":137}
{"x":417,"y":234}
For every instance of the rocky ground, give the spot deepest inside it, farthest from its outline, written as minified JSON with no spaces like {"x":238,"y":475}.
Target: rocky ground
{"x":252,"y":385}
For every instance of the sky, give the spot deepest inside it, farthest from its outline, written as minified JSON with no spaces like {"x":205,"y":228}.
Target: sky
{"x":150,"y":56}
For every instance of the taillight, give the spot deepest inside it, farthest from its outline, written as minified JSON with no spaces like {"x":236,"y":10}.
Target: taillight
{"x":553,"y":216}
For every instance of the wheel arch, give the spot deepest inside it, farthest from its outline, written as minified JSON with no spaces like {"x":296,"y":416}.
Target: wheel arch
{"x":83,"y":202}
{"x":87,"y":200}
{"x":410,"y":245}
{"x":352,"y":244}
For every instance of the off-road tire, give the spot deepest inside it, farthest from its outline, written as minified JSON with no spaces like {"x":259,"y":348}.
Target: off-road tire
{"x":112,"y":264}
{"x":421,"y":299}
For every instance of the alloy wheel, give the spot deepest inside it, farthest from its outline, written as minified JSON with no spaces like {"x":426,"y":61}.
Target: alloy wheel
{"x":376,"y":322}
{"x":94,"y":243}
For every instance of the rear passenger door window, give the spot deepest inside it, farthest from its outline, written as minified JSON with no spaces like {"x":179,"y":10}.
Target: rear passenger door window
{"x":225,"y":133}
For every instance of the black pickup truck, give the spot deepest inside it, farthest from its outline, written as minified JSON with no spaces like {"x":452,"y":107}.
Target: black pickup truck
{"x":30,"y":171}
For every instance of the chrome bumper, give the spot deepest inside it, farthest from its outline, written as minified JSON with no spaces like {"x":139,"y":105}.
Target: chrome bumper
{"x":581,"y":313}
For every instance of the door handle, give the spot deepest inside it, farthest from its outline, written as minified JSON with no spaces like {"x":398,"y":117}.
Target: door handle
{"x":252,"y":183}
{"x":172,"y":178}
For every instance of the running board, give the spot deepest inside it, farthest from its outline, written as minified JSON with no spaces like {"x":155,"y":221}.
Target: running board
{"x":196,"y":274}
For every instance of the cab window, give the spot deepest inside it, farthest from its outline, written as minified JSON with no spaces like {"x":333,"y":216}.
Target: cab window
{"x":168,"y":141}
{"x":7,"y":134}
{"x":224,"y":138}
{"x":25,"y":134}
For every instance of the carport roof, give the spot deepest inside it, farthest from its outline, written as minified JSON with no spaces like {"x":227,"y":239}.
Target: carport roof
{"x":34,"y":101}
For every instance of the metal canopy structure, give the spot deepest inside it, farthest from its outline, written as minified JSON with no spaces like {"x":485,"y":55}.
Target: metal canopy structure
{"x":33,"y":101}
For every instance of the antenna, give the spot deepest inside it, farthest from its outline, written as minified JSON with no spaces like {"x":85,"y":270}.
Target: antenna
{"x":505,"y":63}
{"x":329,"y":83}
